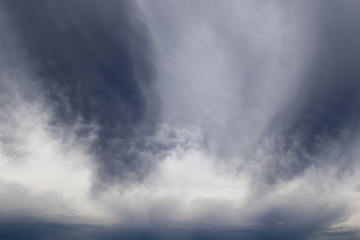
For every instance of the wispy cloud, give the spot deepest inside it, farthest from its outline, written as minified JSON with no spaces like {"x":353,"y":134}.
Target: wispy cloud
{"x":179,"y":119}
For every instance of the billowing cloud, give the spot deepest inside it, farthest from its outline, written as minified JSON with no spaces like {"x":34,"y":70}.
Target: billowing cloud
{"x":200,"y":119}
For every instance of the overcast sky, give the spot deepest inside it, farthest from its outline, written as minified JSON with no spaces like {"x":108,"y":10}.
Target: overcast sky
{"x":179,"y":119}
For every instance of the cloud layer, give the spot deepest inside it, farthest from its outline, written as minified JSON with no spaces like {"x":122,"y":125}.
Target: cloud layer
{"x":179,"y":119}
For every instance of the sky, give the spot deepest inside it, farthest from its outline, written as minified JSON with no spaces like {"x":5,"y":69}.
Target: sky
{"x":179,"y":119}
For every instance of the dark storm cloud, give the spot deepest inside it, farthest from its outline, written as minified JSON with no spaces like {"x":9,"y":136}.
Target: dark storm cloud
{"x":286,"y":222}
{"x":324,"y":115}
{"x":93,"y":60}
{"x":33,"y":229}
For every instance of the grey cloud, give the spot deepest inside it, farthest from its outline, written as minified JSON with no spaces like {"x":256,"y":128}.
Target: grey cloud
{"x":19,"y":200}
{"x":37,"y":229}
{"x":324,"y":114}
{"x":94,"y":63}
{"x":224,"y":79}
{"x":278,"y":120}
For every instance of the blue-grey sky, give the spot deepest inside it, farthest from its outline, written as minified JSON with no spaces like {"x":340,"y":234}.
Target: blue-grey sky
{"x":179,"y":119}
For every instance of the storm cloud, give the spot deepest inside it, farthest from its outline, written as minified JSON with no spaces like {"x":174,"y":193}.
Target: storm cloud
{"x":155,"y":119}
